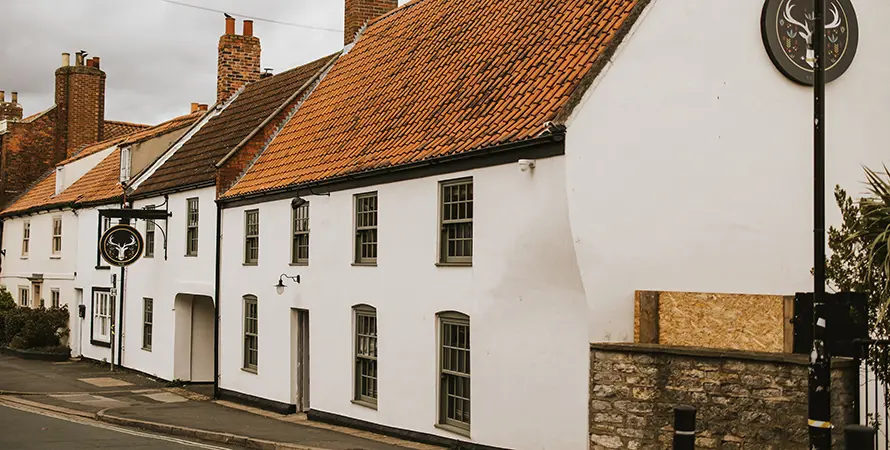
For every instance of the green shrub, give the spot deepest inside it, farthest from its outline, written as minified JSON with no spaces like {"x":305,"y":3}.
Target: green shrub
{"x":26,"y":328}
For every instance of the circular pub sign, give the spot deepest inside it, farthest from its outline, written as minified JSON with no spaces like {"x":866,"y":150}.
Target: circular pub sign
{"x":121,"y":245}
{"x":787,"y":27}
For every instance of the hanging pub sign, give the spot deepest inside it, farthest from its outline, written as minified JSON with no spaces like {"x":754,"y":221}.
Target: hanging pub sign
{"x":121,"y":245}
{"x":787,"y":27}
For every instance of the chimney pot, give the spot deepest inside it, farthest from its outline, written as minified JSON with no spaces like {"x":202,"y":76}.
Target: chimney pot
{"x":78,"y":59}
{"x":202,"y":107}
{"x":248,"y":28}
{"x":66,"y":59}
{"x":96,"y":62}
{"x":195,"y":107}
{"x":230,"y":25}
{"x":15,"y":97}
{"x":2,"y":96}
{"x":90,"y":62}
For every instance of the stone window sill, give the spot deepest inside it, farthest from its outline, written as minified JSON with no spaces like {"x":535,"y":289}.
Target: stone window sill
{"x":249,"y":370}
{"x":364,"y":404}
{"x":453,"y":429}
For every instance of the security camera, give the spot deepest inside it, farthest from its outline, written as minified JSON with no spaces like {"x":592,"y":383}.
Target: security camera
{"x":526,"y":164}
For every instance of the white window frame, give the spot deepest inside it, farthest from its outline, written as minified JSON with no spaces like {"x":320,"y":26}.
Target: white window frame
{"x":57,"y":236}
{"x":365,"y":338}
{"x":26,"y":238}
{"x":24,"y":296}
{"x":447,"y":373}
{"x":299,"y":235}
{"x":125,"y":164}
{"x":102,"y":311}
{"x":149,"y":236}
{"x":366,"y":222}
{"x":191,"y":227}
{"x":147,"y":323}
{"x":251,"y":238}
{"x":55,"y":298}
{"x":251,"y":333}
{"x":453,"y":215}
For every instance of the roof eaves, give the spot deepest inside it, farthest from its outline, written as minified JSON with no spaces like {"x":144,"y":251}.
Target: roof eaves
{"x":600,"y":63}
{"x":150,"y":169}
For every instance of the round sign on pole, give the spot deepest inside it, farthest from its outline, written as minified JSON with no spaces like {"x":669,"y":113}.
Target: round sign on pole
{"x":787,"y":27}
{"x":121,"y":245}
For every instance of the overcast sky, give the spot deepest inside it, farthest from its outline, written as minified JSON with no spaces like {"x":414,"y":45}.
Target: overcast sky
{"x":159,"y":57}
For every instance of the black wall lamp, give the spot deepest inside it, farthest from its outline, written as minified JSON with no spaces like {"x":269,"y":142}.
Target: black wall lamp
{"x":280,"y":286}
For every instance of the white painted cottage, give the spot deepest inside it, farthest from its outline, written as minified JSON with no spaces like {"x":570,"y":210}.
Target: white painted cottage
{"x":51,"y":232}
{"x":470,"y":204}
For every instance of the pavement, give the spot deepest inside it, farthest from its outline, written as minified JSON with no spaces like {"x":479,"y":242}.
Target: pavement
{"x":89,"y":391}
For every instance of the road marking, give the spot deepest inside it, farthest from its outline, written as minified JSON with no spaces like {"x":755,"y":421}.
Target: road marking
{"x":96,"y":424}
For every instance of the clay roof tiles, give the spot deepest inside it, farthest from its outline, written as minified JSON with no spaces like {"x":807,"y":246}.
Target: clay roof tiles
{"x":442,"y":77}
{"x":99,"y":184}
{"x":115,"y":129}
{"x":193,"y":163}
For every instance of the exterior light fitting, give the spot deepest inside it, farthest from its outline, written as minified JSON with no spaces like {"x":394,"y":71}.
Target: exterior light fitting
{"x":280,"y":286}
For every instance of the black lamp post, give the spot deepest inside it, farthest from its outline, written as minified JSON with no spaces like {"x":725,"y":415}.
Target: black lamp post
{"x":819,"y":383}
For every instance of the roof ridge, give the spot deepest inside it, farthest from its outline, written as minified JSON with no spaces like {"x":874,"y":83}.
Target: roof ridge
{"x":132,"y":124}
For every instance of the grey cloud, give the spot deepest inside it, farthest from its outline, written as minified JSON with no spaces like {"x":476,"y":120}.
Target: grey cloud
{"x":159,"y":57}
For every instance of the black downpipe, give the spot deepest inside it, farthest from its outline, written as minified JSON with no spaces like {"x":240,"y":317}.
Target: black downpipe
{"x":819,"y":382}
{"x":216,"y":304}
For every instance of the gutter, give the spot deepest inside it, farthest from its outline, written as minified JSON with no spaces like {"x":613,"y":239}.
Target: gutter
{"x":558,"y":136}
{"x":173,"y":190}
{"x":281,"y":108}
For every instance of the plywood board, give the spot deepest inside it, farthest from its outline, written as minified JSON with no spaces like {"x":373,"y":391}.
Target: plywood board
{"x":732,"y":321}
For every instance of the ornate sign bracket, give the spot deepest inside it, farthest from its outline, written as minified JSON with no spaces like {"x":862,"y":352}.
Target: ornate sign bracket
{"x":151,"y":212}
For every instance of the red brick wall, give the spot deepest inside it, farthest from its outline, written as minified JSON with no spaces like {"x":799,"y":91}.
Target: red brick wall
{"x":80,"y":112}
{"x":25,"y":155}
{"x":360,"y":11}
{"x":237,"y":65}
{"x":10,"y":111}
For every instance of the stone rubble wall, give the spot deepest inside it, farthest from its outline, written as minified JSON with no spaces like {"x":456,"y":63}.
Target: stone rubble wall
{"x":745,"y":400}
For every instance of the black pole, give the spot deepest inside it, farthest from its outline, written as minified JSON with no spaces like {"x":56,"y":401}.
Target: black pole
{"x":859,"y":437}
{"x":684,"y":428}
{"x":216,"y":288}
{"x":819,"y":422}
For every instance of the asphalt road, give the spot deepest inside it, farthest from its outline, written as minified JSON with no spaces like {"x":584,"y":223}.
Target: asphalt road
{"x":25,"y":430}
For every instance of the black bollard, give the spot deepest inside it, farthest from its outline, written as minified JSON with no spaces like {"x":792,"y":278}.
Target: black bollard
{"x":859,"y":437}
{"x":684,"y":428}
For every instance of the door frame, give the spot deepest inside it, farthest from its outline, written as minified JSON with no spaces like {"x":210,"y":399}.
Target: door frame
{"x":300,"y":358}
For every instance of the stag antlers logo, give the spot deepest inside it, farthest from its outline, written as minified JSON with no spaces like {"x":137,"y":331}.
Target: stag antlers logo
{"x":121,"y":245}
{"x":788,"y":26}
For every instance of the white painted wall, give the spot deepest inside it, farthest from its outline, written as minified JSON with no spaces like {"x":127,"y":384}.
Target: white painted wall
{"x":72,"y":171}
{"x":689,"y":166}
{"x":523,"y":295}
{"x":58,"y":270}
{"x":162,"y":280}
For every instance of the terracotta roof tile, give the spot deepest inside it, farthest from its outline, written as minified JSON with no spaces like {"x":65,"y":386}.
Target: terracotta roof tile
{"x":138,"y":136}
{"x":193,"y":163}
{"x":440,"y":77}
{"x":101,"y":183}
{"x":114,"y":129}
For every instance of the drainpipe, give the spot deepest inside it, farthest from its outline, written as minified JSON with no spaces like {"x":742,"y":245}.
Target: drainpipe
{"x":216,"y":305}
{"x":120,"y":323}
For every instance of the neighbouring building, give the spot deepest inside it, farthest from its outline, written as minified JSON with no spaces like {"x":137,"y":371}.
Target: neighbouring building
{"x":185,"y":180}
{"x":51,"y":232}
{"x":30,"y":146}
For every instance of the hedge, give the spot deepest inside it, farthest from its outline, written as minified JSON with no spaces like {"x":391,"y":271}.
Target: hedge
{"x":27,"y":328}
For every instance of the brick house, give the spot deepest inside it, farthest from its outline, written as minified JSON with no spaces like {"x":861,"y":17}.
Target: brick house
{"x":31,"y":145}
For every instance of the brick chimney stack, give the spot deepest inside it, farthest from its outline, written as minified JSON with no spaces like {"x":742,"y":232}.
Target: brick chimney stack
{"x":80,"y":104}
{"x":10,"y":110}
{"x":360,"y":12}
{"x":239,"y":60}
